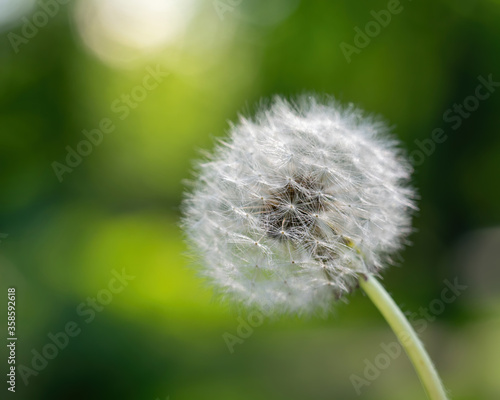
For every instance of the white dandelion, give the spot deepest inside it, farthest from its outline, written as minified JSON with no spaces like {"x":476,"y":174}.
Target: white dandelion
{"x":297,"y":204}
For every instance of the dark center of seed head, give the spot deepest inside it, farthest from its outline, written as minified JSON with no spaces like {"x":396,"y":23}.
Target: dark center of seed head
{"x":292,"y":210}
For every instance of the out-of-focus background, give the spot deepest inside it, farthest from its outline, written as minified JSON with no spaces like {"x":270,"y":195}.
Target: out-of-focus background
{"x":103,"y":106}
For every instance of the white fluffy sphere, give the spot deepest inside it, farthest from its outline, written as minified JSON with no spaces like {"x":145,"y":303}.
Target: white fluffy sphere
{"x":296,"y":203}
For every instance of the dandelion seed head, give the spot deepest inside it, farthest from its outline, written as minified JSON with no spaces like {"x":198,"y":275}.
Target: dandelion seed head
{"x":296,"y":203}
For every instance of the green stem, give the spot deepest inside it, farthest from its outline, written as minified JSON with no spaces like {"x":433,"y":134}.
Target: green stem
{"x":406,"y":336}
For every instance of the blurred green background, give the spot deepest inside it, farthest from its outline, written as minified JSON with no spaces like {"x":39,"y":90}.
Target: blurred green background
{"x":165,"y":77}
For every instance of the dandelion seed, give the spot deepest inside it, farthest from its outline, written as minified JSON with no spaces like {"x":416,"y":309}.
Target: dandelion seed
{"x":308,"y":181}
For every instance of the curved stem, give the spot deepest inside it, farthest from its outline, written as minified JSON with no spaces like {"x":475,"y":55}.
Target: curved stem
{"x":406,"y":336}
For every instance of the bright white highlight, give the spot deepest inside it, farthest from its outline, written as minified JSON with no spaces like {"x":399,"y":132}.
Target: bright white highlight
{"x":10,"y":10}
{"x":120,"y":30}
